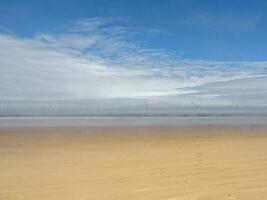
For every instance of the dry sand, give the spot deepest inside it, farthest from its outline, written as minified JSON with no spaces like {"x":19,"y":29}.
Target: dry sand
{"x":157,"y":163}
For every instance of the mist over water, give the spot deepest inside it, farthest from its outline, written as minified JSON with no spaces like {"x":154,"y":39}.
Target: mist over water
{"x":123,"y":108}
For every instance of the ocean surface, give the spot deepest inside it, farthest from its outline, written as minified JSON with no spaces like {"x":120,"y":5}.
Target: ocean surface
{"x":6,"y":122}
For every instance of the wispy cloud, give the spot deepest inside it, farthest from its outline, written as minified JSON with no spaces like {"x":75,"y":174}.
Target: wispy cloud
{"x":96,"y":58}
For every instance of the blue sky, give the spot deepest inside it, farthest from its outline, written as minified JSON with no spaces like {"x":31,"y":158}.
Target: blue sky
{"x":184,"y":50}
{"x":220,"y":30}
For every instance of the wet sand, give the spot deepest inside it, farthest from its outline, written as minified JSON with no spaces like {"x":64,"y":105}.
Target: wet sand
{"x":157,"y":163}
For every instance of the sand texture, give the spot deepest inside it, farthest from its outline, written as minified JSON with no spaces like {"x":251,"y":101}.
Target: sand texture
{"x":150,"y":163}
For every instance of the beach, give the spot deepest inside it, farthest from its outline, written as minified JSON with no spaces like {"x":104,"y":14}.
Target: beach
{"x":193,"y":162}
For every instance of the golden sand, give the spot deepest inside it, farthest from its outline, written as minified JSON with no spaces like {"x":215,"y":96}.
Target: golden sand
{"x":157,"y":163}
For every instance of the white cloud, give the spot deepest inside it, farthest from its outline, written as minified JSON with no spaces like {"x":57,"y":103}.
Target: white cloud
{"x":250,"y":91}
{"x":94,"y":58}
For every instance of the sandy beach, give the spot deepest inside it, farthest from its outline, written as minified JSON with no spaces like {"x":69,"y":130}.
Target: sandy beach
{"x":112,"y":163}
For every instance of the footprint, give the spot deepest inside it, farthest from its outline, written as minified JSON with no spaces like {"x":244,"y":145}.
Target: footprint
{"x":229,"y":196}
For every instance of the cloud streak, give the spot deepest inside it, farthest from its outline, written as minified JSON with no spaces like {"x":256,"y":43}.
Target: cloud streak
{"x":96,"y":58}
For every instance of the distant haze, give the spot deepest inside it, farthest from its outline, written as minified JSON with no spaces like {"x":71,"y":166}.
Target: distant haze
{"x":123,"y":107}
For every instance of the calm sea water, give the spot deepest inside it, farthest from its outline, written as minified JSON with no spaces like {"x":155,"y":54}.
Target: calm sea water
{"x":127,"y":121}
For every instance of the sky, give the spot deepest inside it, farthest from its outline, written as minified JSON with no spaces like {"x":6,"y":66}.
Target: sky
{"x":209,"y":51}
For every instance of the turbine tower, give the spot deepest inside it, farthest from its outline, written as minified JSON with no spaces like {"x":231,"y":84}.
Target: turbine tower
{"x":147,"y":106}
{"x":1,"y":107}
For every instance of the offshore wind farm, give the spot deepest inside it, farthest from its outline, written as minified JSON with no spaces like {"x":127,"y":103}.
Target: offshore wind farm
{"x":125,"y":107}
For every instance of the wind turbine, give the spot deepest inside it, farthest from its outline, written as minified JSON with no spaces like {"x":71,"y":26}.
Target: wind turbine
{"x":128,"y":105}
{"x":147,"y":106}
{"x":53,"y":108}
{"x":1,"y":107}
